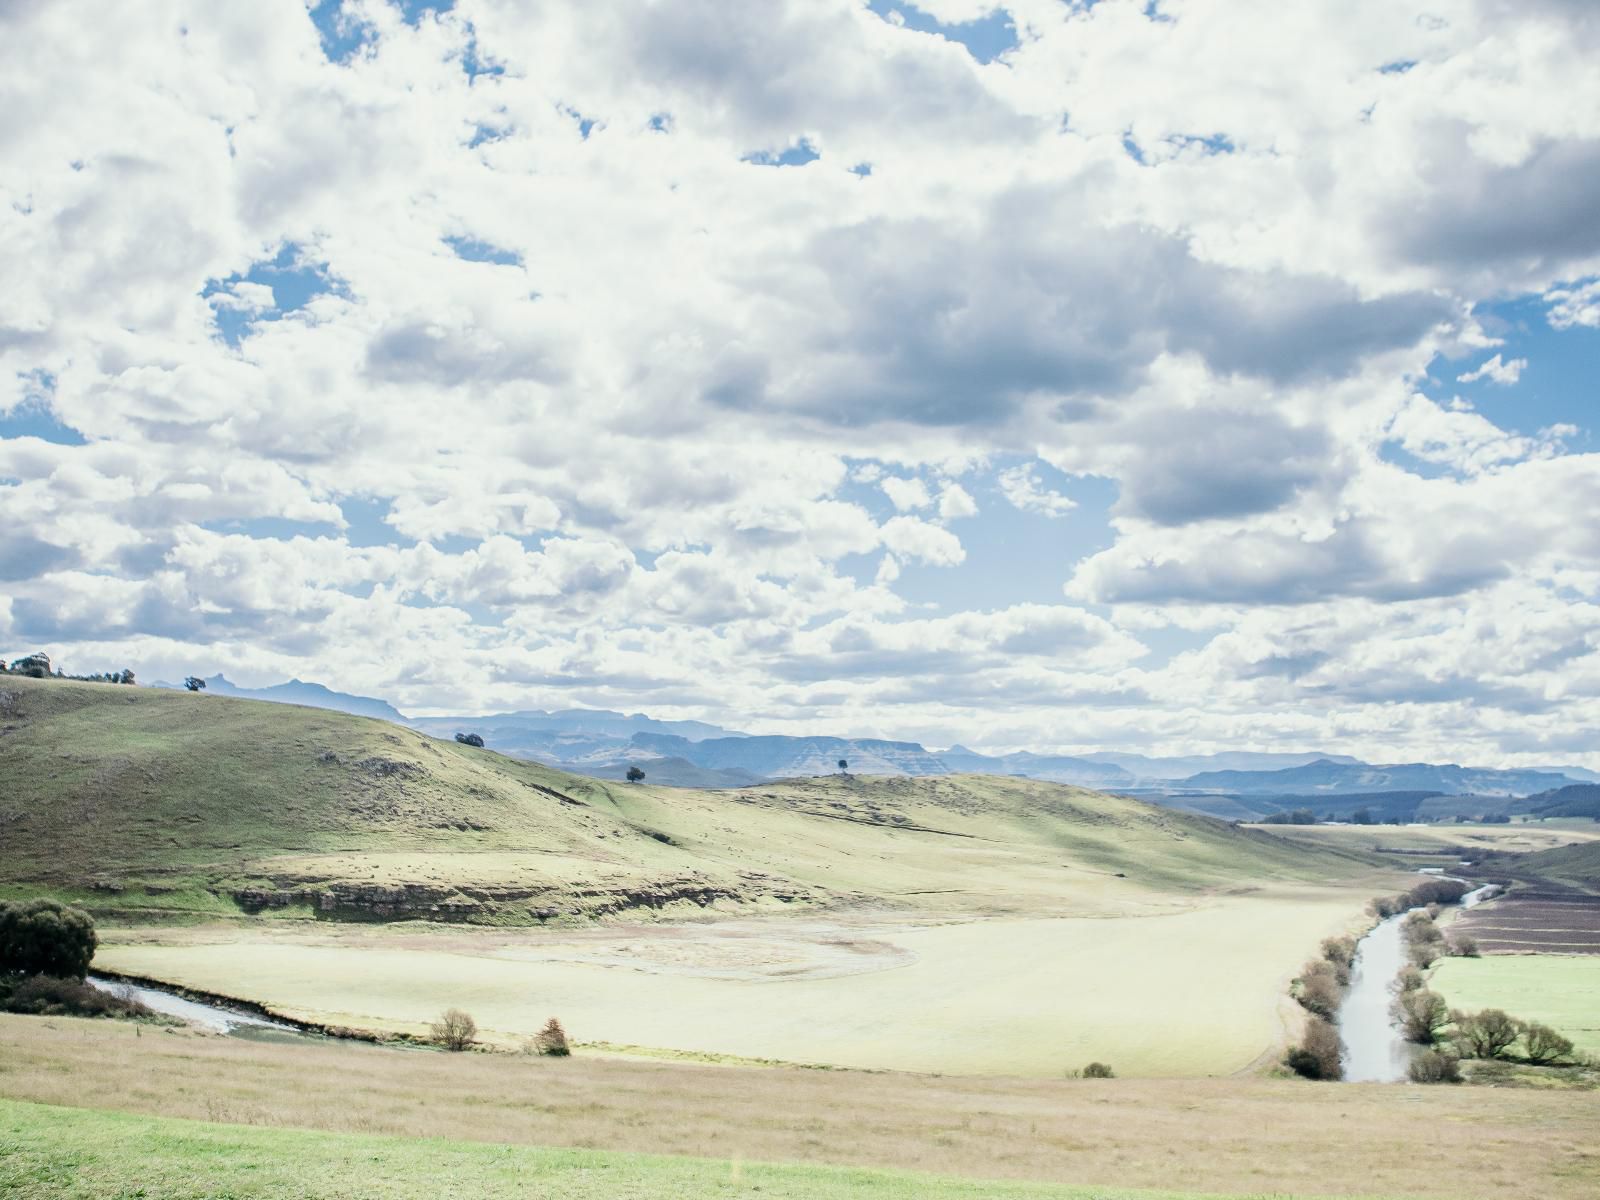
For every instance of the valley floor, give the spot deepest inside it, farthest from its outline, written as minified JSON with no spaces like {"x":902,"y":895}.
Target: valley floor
{"x":370,"y":1108}
{"x":1199,"y":990}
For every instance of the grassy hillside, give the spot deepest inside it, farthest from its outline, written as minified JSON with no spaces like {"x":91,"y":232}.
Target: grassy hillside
{"x":1575,"y":866}
{"x":142,"y":801}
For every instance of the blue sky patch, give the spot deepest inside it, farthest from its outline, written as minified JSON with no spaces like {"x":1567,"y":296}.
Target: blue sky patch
{"x":986,"y":39}
{"x":34,"y":417}
{"x":475,"y":250}
{"x":797,"y":155}
{"x":294,"y":283}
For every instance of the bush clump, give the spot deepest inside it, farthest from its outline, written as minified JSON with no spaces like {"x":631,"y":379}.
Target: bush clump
{"x":1421,"y":1015}
{"x":455,"y":1029}
{"x":45,"y":937}
{"x":1434,"y":1066}
{"x":53,"y":996}
{"x":552,"y":1040}
{"x":1544,"y":1045}
{"x":1317,"y":1055}
{"x":1486,"y":1034}
{"x":1099,"y":1070}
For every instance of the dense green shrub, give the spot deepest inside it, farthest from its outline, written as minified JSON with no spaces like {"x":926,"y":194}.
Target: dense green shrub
{"x":45,"y":937}
{"x":1099,"y":1070}
{"x":1486,"y":1034}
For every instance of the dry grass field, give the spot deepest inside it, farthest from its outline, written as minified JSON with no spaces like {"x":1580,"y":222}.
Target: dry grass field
{"x":1198,"y":991}
{"x":1235,"y":1136}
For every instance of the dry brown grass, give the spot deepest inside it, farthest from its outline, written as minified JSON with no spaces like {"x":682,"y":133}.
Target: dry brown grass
{"x":1232,"y":1135}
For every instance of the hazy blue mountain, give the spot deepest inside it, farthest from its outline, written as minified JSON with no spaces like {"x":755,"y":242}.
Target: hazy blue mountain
{"x":311,"y":695}
{"x":1144,"y":766}
{"x":597,"y":725}
{"x":779,"y":757}
{"x":1059,"y":768}
{"x":1328,"y":776}
{"x":674,"y":772}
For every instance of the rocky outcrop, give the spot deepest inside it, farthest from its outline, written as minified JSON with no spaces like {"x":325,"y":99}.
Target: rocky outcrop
{"x":347,"y":901}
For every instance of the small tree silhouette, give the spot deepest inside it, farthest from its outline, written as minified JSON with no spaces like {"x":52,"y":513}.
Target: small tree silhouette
{"x":455,"y":1030}
{"x":844,"y":764}
{"x":552,"y":1040}
{"x":635,"y":774}
{"x":194,"y":683}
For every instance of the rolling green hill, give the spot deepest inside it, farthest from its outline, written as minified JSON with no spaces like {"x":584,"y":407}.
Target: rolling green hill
{"x":1575,"y":866}
{"x":141,"y":802}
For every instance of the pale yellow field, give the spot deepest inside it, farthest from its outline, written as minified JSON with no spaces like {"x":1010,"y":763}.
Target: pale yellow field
{"x":1199,"y":992}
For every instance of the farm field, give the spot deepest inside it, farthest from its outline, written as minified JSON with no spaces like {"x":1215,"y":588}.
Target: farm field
{"x":1197,"y":991}
{"x":1240,"y":1137}
{"x":1449,"y":839}
{"x":1562,"y":991}
{"x":1535,"y":920}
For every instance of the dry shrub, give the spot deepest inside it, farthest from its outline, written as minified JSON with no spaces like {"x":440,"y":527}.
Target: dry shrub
{"x":1463,"y":946}
{"x":1421,"y":1015}
{"x":1434,"y":1066}
{"x":1544,"y":1044}
{"x":52,"y":996}
{"x":1409,"y":979}
{"x":455,"y":1029}
{"x":1486,"y":1034}
{"x":1317,"y":1055}
{"x":1318,"y":991}
{"x":1099,"y":1070}
{"x":552,"y":1040}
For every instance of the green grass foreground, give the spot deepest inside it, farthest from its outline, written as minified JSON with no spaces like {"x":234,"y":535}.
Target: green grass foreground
{"x":75,"y":1154}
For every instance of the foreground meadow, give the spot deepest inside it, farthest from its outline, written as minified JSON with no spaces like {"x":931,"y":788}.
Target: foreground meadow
{"x":1232,"y":1137}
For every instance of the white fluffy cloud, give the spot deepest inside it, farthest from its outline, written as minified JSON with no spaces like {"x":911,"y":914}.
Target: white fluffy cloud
{"x":523,"y":337}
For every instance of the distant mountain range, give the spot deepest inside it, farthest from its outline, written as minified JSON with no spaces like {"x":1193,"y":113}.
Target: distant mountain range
{"x":296,"y":691}
{"x":1327,"y":777}
{"x":605,"y":744}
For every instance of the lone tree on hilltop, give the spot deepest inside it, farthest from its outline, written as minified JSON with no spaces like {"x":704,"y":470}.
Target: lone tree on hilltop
{"x":45,"y":937}
{"x":844,"y":764}
{"x":635,"y":774}
{"x":470,"y":739}
{"x":194,"y":683}
{"x":455,"y":1029}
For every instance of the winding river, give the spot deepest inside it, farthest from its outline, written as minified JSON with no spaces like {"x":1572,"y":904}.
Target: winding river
{"x":1373,"y":1050}
{"x":208,"y":1016}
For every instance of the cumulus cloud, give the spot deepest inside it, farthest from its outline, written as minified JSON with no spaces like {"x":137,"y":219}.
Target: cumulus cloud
{"x":1496,"y":371}
{"x":374,"y":366}
{"x":1576,"y":305}
{"x":1022,"y":487}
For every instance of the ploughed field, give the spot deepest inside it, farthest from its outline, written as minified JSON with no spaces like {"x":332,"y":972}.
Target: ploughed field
{"x":1535,"y":920}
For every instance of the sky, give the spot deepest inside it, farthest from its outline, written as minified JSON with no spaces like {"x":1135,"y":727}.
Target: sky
{"x":1163,"y":376}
